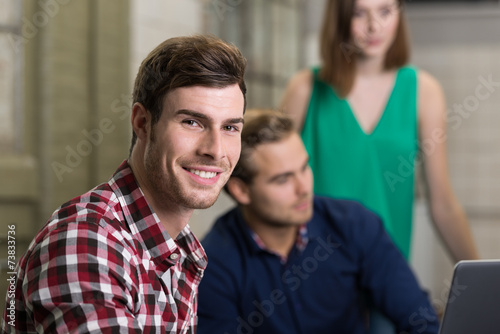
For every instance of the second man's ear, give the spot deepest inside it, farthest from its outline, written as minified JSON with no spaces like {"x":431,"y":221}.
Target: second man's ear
{"x":239,"y":190}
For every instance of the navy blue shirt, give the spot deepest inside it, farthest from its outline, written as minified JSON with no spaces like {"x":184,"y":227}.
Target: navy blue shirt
{"x":322,"y":289}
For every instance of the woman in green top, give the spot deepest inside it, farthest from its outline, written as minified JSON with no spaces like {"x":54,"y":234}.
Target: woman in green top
{"x":367,"y":120}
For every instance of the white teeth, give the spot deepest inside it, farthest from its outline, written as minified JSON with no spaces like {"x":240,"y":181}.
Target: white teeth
{"x":203,"y":174}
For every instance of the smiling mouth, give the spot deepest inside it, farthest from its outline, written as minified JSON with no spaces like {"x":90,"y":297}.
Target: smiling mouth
{"x":203,"y":174}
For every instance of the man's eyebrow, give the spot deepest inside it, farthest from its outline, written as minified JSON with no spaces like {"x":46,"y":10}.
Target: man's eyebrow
{"x":203,"y":116}
{"x":191,"y":113}
{"x":236,"y":120}
{"x":275,"y":177}
{"x":286,"y":174}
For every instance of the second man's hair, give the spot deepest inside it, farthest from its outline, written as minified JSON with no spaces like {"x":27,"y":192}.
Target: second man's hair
{"x":262,"y":126}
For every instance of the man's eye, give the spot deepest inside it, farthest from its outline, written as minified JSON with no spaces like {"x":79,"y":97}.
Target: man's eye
{"x":281,"y":180}
{"x":231,"y":128}
{"x":190,"y":122}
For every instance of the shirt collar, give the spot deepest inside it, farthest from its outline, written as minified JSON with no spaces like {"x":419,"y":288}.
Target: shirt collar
{"x":146,"y":227}
{"x":300,"y":242}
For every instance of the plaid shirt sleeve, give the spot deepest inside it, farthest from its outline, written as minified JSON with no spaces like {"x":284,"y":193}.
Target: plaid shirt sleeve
{"x":78,"y":280}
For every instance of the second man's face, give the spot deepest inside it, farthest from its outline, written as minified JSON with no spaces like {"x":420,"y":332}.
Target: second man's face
{"x":195,"y":144}
{"x":281,"y":192}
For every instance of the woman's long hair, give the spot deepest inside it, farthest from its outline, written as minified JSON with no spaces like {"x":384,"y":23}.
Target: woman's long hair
{"x":338,"y":52}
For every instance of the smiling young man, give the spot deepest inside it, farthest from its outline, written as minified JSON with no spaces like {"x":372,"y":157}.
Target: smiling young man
{"x":121,"y":257}
{"x":285,"y":261}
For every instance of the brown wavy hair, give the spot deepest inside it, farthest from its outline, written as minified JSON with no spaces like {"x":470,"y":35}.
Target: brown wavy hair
{"x":338,"y":53}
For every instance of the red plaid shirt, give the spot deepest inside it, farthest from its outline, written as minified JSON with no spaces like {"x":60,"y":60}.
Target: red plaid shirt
{"x":105,"y":264}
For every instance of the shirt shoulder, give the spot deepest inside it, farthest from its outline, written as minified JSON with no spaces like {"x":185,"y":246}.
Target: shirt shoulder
{"x":227,"y":243}
{"x":342,"y":212}
{"x":349,"y":220}
{"x":223,"y":230}
{"x":98,"y":206}
{"x":83,"y":219}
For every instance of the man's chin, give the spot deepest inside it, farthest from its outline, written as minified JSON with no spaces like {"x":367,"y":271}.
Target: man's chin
{"x":202,"y":206}
{"x":198,"y":203}
{"x":307,"y":216}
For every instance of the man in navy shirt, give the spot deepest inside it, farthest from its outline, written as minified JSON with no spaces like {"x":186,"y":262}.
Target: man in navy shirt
{"x":285,"y":261}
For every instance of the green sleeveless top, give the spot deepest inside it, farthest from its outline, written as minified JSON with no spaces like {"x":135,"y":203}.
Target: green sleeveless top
{"x":376,"y":169}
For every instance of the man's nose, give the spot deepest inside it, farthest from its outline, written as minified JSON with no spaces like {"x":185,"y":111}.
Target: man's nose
{"x":301,"y":185}
{"x":212,"y":145}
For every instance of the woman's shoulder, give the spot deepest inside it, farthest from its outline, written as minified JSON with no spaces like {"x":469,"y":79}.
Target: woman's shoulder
{"x":427,"y":80}
{"x":302,"y":82}
{"x":431,"y":98}
{"x":408,"y":73}
{"x":429,"y":87}
{"x":297,"y":95}
{"x":302,"y":79}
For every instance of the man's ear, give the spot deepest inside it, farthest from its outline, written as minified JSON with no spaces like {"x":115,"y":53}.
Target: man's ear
{"x":239,"y":190}
{"x":140,"y":120}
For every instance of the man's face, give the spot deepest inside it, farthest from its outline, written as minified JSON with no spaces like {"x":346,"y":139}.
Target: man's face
{"x":195,"y":145}
{"x":281,"y":192}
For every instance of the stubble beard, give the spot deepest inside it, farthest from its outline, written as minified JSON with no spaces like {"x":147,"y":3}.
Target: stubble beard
{"x":170,"y":189}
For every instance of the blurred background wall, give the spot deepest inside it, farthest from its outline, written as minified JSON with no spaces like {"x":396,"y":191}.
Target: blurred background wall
{"x":66,"y":74}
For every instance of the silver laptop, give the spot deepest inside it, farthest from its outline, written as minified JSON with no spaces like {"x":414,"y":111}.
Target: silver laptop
{"x":473,"y":305}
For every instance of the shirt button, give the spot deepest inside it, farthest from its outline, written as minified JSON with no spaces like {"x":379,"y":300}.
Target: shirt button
{"x":174,"y":256}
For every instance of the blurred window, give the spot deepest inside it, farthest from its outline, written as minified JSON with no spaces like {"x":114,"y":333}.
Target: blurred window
{"x":268,"y":33}
{"x":11,"y":60}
